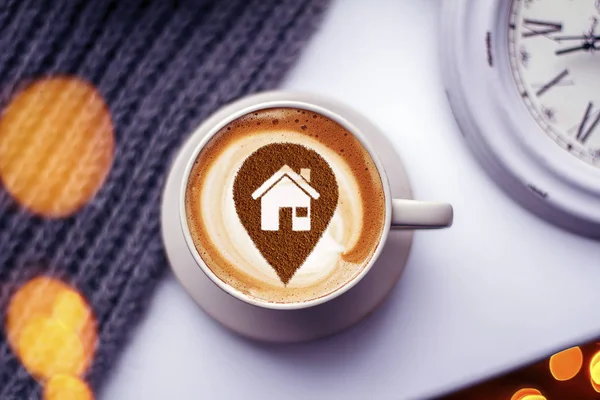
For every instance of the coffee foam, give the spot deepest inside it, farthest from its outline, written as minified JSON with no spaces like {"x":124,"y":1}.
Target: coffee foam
{"x":348,"y":242}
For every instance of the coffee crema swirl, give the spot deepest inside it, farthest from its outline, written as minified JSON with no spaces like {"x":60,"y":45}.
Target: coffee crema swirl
{"x":345,"y":247}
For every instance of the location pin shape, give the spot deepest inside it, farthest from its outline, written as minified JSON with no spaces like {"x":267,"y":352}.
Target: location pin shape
{"x":285,"y":195}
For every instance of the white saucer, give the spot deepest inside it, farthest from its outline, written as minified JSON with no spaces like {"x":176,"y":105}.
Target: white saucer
{"x":296,"y":325}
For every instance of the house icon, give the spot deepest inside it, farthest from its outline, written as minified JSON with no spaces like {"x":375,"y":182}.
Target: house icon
{"x":286,"y":189}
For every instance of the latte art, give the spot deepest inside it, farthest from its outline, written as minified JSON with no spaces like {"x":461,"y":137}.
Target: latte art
{"x":288,"y":212}
{"x":285,"y":205}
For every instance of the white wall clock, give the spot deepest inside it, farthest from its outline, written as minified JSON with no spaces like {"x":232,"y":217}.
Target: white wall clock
{"x":523,"y":80}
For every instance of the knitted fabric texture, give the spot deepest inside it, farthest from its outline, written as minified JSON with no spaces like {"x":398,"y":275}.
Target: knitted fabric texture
{"x":161,"y":68}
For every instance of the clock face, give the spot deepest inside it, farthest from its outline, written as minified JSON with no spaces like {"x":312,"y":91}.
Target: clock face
{"x":554,"y":48}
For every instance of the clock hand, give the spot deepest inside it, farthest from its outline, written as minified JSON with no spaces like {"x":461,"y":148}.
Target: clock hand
{"x":582,"y":37}
{"x":589,"y":37}
{"x":585,"y":47}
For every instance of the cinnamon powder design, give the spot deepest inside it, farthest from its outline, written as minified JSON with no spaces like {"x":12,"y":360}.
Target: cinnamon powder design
{"x":287,"y":242}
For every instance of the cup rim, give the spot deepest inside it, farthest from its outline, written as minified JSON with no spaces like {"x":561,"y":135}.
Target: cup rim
{"x":283,"y":99}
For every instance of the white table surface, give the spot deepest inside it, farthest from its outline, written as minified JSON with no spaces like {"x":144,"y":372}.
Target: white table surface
{"x":499,"y":288}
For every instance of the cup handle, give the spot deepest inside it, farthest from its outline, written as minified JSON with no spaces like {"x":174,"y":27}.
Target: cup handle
{"x":413,"y":214}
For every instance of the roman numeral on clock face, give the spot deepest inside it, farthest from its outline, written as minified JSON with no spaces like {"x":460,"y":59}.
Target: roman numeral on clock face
{"x":588,"y":123}
{"x":534,"y":27}
{"x":555,"y":81}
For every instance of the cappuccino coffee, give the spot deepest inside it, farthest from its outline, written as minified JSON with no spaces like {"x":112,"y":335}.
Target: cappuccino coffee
{"x":285,"y":205}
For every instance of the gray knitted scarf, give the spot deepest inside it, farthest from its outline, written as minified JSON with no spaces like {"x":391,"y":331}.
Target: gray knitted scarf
{"x":161,"y":68}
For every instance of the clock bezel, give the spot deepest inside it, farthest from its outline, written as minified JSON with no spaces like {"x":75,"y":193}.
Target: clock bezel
{"x":503,"y":135}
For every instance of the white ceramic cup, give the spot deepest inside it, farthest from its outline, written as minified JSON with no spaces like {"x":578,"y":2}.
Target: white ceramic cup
{"x":399,"y":213}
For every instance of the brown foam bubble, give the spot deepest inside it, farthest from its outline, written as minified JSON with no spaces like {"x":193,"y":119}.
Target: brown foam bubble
{"x":337,"y":139}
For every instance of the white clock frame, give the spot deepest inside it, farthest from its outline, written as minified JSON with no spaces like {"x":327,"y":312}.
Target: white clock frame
{"x":505,"y":138}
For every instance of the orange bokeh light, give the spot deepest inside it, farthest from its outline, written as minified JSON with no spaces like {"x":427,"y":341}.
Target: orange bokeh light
{"x":566,"y":364}
{"x":56,"y":145}
{"x":51,"y":328}
{"x":67,"y":387}
{"x":527,"y":394}
{"x":47,"y":347}
{"x":595,"y":372}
